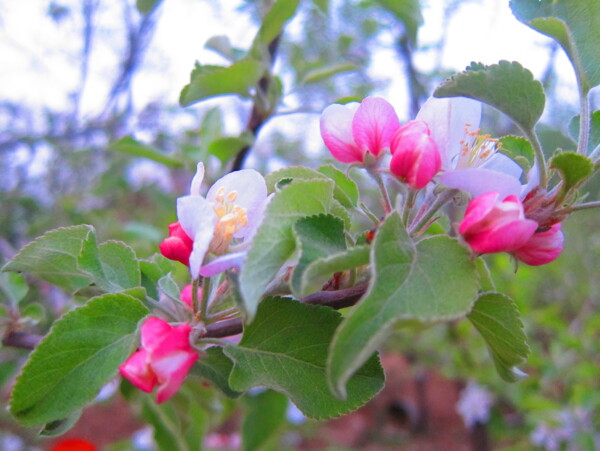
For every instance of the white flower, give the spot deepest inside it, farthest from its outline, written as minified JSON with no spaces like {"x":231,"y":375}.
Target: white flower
{"x":224,"y":223}
{"x":470,"y":160}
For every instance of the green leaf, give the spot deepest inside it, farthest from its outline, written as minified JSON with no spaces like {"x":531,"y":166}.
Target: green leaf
{"x":147,"y":6}
{"x":112,"y":265}
{"x":319,"y":271}
{"x":285,"y":349}
{"x":274,"y":242}
{"x":574,"y":168}
{"x":59,"y":427}
{"x":497,"y":319}
{"x":349,"y":195}
{"x":263,"y":417}
{"x":229,"y":146}
{"x":575,"y":25}
{"x":53,"y":257}
{"x":507,"y":86}
{"x":136,"y":148}
{"x":211,"y":81}
{"x":216,"y":367}
{"x":322,"y":73}
{"x":35,"y":312}
{"x":317,"y":237}
{"x":221,"y":45}
{"x":408,"y":12}
{"x":152,"y":270}
{"x":594,"y":130}
{"x":14,"y":287}
{"x":79,"y":355}
{"x":345,"y":190}
{"x":169,"y":287}
{"x":519,"y":149}
{"x":274,"y":21}
{"x":434,"y":280}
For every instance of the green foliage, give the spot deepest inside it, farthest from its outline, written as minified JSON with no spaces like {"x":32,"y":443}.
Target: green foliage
{"x":216,"y":367}
{"x":323,"y":72}
{"x":317,"y":237}
{"x":263,"y":418}
{"x":147,"y":6}
{"x":594,"y":130}
{"x":519,"y":149}
{"x":113,"y":266}
{"x":285,"y":349}
{"x":131,"y":146}
{"x":211,"y":81}
{"x":229,"y":146}
{"x":59,"y":427}
{"x":574,"y":168}
{"x":53,"y":257}
{"x":433,"y":280}
{"x":496,"y":317}
{"x":274,"y":243}
{"x":575,"y":25}
{"x":80,"y":354}
{"x":507,"y":86}
{"x":321,"y":269}
{"x":14,"y":287}
{"x":273,"y":23}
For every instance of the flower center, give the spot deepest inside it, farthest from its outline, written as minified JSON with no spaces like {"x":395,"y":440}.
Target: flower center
{"x":231,"y":219}
{"x":476,"y":149}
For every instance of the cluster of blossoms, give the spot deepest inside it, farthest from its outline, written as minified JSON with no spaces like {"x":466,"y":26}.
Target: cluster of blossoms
{"x":443,"y":146}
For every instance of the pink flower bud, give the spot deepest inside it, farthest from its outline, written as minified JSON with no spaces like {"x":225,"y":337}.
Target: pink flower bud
{"x":350,"y":131}
{"x":164,"y":359}
{"x":415,"y":156}
{"x":186,"y":294}
{"x":491,"y":225}
{"x":178,"y":246}
{"x":542,"y":247}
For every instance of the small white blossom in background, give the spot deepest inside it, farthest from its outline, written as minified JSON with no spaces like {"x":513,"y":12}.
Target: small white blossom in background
{"x":10,"y":442}
{"x":143,"y":440}
{"x":569,"y":424}
{"x":145,"y":172}
{"x":474,"y":404}
{"x":294,"y":415}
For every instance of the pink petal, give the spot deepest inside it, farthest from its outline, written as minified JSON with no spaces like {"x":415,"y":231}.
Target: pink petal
{"x":374,"y":125}
{"x":478,"y":209}
{"x":542,"y":248}
{"x":336,"y":131}
{"x":137,"y":371}
{"x":153,"y":332}
{"x":171,"y":372}
{"x":504,"y":239}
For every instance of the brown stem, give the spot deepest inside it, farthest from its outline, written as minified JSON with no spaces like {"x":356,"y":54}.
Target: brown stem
{"x":22,"y":340}
{"x":258,"y":116}
{"x":334,"y":299}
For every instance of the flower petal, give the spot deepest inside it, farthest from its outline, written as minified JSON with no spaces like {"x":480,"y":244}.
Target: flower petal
{"x":507,"y":238}
{"x":171,"y":372}
{"x":137,"y":371}
{"x":501,"y":163}
{"x":374,"y":125}
{"x":198,"y":219}
{"x":447,"y":119}
{"x":223,"y":263}
{"x":336,"y":131}
{"x":197,"y":180}
{"x":477,"y":181}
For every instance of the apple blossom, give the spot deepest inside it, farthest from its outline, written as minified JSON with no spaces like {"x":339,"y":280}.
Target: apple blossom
{"x":470,"y":160}
{"x":351,"y":131}
{"x":222,"y":224}
{"x":164,"y":359}
{"x":493,"y":225}
{"x":415,"y":156}
{"x":543,"y":247}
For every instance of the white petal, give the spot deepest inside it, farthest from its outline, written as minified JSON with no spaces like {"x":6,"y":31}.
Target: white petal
{"x":480,"y":181}
{"x":447,"y":119}
{"x":223,"y":263}
{"x":533,"y":180}
{"x":502,"y":163}
{"x":197,"y":180}
{"x":198,"y":219}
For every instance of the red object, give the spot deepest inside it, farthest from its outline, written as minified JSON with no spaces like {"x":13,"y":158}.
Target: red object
{"x":492,"y":225}
{"x":543,"y":247}
{"x":415,"y":155}
{"x":178,"y":246}
{"x":73,"y":444}
{"x":164,"y":359}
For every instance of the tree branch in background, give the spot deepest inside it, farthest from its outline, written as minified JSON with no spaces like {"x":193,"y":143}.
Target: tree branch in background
{"x":416,"y":91}
{"x":258,"y":116}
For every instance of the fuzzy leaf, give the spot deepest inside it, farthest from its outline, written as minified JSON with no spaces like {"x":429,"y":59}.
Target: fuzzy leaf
{"x":79,"y":355}
{"x":519,"y":149}
{"x":216,"y":367}
{"x":497,"y":319}
{"x":434,"y":280}
{"x":274,"y":242}
{"x":507,"y":86}
{"x":574,"y":168}
{"x":285,"y":349}
{"x":53,"y":257}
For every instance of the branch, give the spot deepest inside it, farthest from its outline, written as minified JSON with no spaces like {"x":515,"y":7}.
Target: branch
{"x":21,"y":340}
{"x":335,"y":299}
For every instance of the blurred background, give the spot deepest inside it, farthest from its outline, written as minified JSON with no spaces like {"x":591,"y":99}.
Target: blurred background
{"x":91,"y":131}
